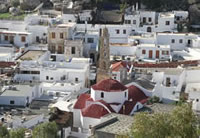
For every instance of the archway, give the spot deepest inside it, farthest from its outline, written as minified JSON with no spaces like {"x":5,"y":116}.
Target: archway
{"x":149,"y":29}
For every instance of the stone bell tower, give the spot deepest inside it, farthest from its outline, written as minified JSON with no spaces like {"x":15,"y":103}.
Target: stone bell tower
{"x":103,"y":70}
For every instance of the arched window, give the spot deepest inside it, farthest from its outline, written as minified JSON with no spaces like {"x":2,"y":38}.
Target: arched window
{"x":102,"y":95}
{"x":149,"y":29}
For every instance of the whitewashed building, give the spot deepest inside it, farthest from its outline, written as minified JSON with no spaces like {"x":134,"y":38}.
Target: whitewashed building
{"x":46,"y":67}
{"x":15,"y":38}
{"x":106,"y":96}
{"x":17,"y":95}
{"x":152,"y":51}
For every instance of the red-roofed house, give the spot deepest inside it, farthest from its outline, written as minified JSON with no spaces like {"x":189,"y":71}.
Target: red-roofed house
{"x":106,"y":96}
{"x":120,"y":70}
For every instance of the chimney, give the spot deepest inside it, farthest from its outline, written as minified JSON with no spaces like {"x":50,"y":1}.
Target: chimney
{"x":124,"y":108}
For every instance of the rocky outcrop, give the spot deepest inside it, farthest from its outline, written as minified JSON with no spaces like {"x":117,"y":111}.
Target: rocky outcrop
{"x":194,"y":10}
{"x":4,"y":8}
{"x":29,"y":4}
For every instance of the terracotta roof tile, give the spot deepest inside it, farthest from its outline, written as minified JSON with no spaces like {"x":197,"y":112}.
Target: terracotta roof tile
{"x":81,"y":102}
{"x":117,"y":66}
{"x":4,"y":64}
{"x":94,"y":111}
{"x":166,"y":65}
{"x":127,"y":107}
{"x":109,"y":85}
{"x":136,"y":94}
{"x":107,"y":105}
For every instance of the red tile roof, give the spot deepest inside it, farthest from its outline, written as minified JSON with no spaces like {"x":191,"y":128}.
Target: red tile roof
{"x":4,"y":64}
{"x":109,"y":85}
{"x":166,"y":65}
{"x":127,"y":107}
{"x":136,"y":94}
{"x":118,"y":65}
{"x":81,"y":102}
{"x":107,"y":105}
{"x":94,"y":111}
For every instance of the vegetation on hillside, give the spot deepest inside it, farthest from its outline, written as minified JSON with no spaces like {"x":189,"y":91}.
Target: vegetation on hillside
{"x":180,"y":123}
{"x":8,"y":16}
{"x":44,"y":130}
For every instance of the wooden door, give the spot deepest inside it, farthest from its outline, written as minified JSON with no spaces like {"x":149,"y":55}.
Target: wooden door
{"x":157,"y":54}
{"x":150,"y":53}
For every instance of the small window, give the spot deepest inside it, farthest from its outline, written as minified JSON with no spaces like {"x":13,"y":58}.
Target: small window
{"x":173,"y":41}
{"x":134,"y":21}
{"x":35,"y":72}
{"x":102,"y":95}
{"x":61,"y":36}
{"x":53,"y":35}
{"x":6,"y":38}
{"x":165,"y":52}
{"x":51,"y":78}
{"x":144,"y":19}
{"x":124,"y":31}
{"x":76,"y":79}
{"x":73,"y":50}
{"x":143,"y":52}
{"x":12,"y":102}
{"x":197,"y":100}
{"x":127,"y":21}
{"x":23,"y":39}
{"x":125,"y":94}
{"x":117,"y":31}
{"x":167,"y":23}
{"x":70,"y":20}
{"x":47,"y":77}
{"x":181,"y":41}
{"x":150,"y":19}
{"x":137,"y":107}
{"x":90,"y":40}
{"x":189,"y":42}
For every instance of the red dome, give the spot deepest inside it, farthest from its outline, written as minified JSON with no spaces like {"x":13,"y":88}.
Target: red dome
{"x":109,"y":85}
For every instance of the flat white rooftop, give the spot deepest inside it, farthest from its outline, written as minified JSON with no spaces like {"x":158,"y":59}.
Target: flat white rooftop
{"x":153,"y":45}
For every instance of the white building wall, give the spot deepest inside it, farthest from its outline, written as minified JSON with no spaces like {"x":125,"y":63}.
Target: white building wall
{"x":123,"y":50}
{"x":13,"y":25}
{"x":33,"y":122}
{"x":168,"y":38}
{"x":19,"y":101}
{"x":76,"y":117}
{"x":116,"y":76}
{"x":139,"y":53}
{"x":110,"y":97}
{"x":67,"y":18}
{"x":88,"y":121}
{"x":38,"y":31}
{"x":191,"y":76}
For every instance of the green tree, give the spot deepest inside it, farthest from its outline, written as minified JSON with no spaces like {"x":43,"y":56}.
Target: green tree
{"x":15,"y":3}
{"x":18,"y":133}
{"x":184,"y":122}
{"x":4,"y":133}
{"x":150,"y":125}
{"x":180,"y":123}
{"x":45,"y":130}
